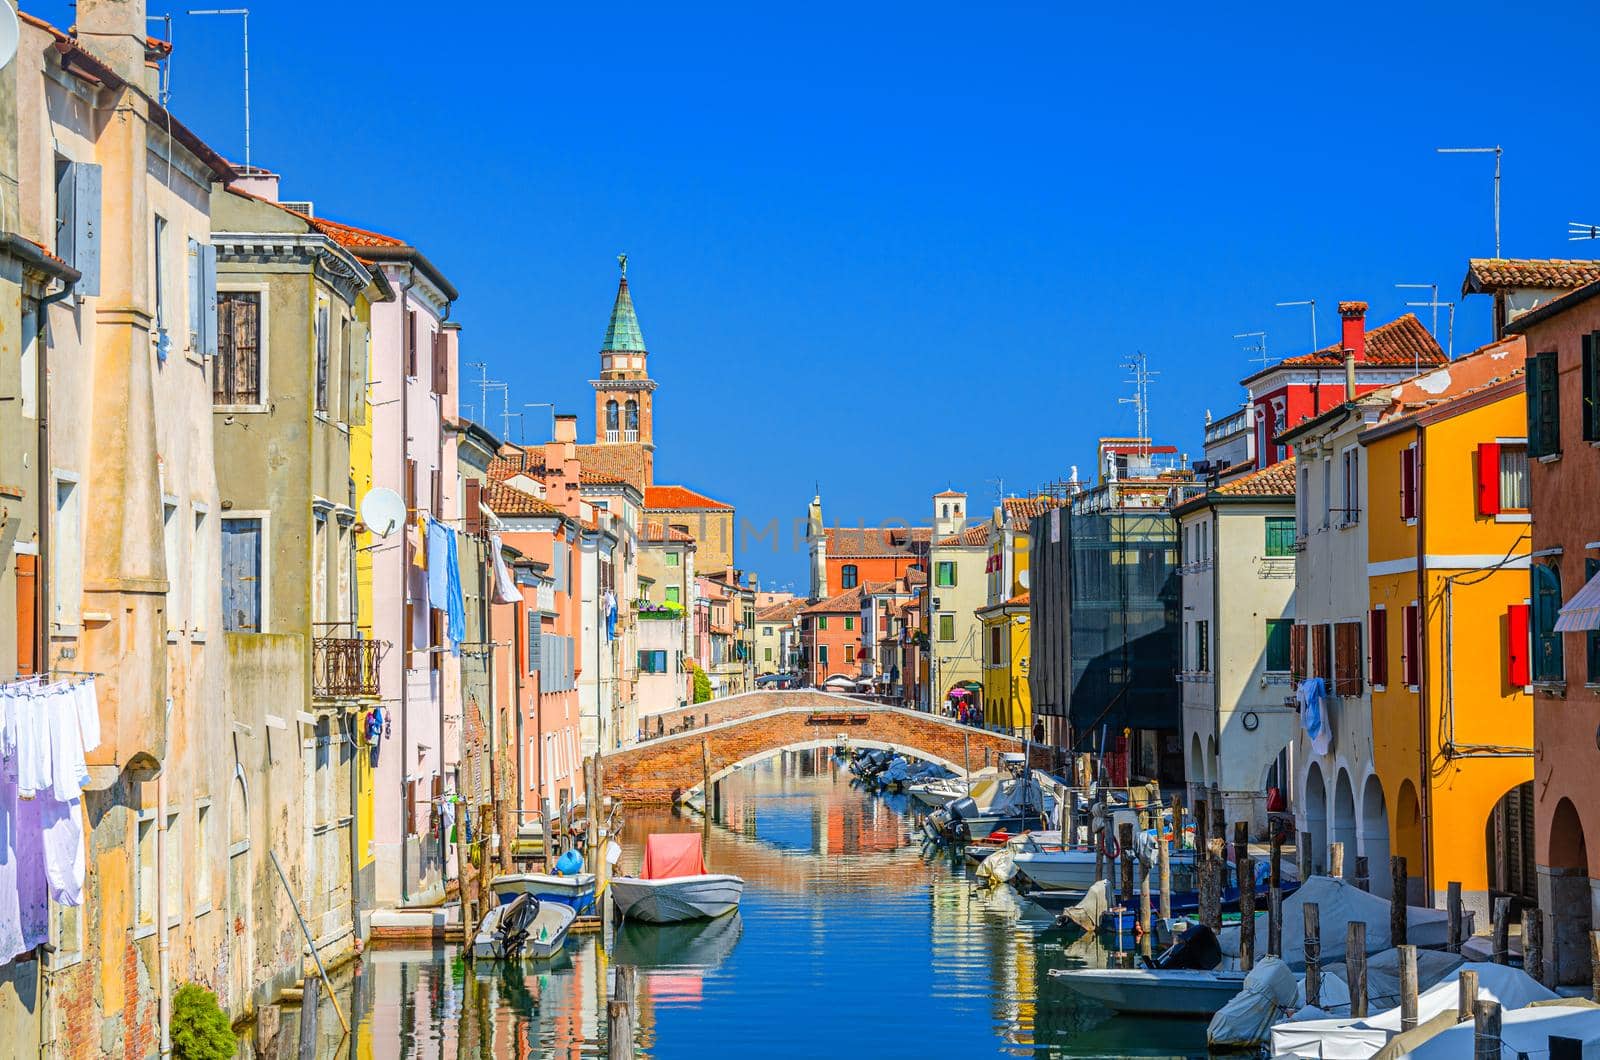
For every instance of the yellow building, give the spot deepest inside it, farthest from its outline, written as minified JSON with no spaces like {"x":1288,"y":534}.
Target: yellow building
{"x":1004,"y":621}
{"x":1448,"y":539}
{"x":361,"y":476}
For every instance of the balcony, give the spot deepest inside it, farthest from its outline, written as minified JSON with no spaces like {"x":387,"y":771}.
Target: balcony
{"x":657,"y":612}
{"x":345,"y":667}
{"x":622,"y":436}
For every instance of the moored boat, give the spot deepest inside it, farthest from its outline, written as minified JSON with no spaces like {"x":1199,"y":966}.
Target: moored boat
{"x":523,"y":928}
{"x":674,"y":886}
{"x":576,"y":890}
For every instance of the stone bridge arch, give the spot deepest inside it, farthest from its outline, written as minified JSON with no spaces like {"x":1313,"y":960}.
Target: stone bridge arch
{"x":656,"y":770}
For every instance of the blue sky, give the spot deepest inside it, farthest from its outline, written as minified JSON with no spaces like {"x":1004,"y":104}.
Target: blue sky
{"x":891,"y":248}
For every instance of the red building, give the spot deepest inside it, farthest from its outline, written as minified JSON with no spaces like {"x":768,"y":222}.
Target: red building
{"x":830,"y":637}
{"x":1299,"y":388}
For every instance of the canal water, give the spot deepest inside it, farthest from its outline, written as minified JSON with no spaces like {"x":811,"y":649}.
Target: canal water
{"x":852,"y":941}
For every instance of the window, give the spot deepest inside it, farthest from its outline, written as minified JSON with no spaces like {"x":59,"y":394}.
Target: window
{"x":849,"y":654}
{"x":1547,"y":662}
{"x":1297,"y":653}
{"x":1408,"y":482}
{"x":236,"y":377}
{"x":672,"y":559}
{"x":1513,"y":467}
{"x":66,"y":556}
{"x":241,"y":575}
{"x":1544,"y":405}
{"x":994,"y":646}
{"x":947,"y":627}
{"x":1591,"y":567}
{"x":144,"y":874}
{"x":159,"y":282}
{"x":822,"y":655}
{"x":767,"y":654}
{"x":169,"y":546}
{"x":1410,"y":646}
{"x":411,"y":343}
{"x":1280,"y":535}
{"x":78,"y":221}
{"x":944,"y":574}
{"x":847,"y":576}
{"x":199,"y":569}
{"x":202,"y":849}
{"x":1327,"y":490}
{"x":1202,"y":646}
{"x":1278,"y":637}
{"x":631,"y":420}
{"x":202,"y":298}
{"x":1347,"y":660}
{"x":672,"y":595}
{"x":347,"y":360}
{"x":322,"y":356}
{"x":1302,"y":498}
{"x":822,"y":621}
{"x":1590,"y":369}
{"x":766,"y":631}
{"x":652,"y":662}
{"x":1351,"y":486}
{"x":849,"y":622}
{"x":319,"y":567}
{"x":1378,"y":635}
{"x":1322,"y":651}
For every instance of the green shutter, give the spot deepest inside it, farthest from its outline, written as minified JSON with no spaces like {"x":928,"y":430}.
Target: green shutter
{"x":1278,"y":630}
{"x":1591,"y":567}
{"x":1534,"y":375}
{"x":1591,"y":386}
{"x":1549,"y":405}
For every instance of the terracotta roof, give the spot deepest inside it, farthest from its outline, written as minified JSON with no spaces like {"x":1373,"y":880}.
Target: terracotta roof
{"x":847,"y":602}
{"x":972,"y":535}
{"x":510,"y":464}
{"x":1488,"y":366}
{"x":1556,"y":274}
{"x":508,"y":500}
{"x":1030,"y":507}
{"x":866,"y":542}
{"x":654,"y":531}
{"x":1022,"y":599}
{"x":372,"y":247}
{"x":1276,"y":480}
{"x":948,"y":493}
{"x":783,"y":612}
{"x":1397,"y":344}
{"x":666,"y":498}
{"x":600,"y":478}
{"x":627,"y":461}
{"x":351,"y":236}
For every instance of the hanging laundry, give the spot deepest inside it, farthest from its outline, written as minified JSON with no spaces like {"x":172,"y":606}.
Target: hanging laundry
{"x":441,"y":541}
{"x":88,"y":714}
{"x":24,"y":895}
{"x":608,"y":603}
{"x":68,"y":771}
{"x":505,"y":586}
{"x":419,"y":543}
{"x":455,"y":627}
{"x":61,"y":825}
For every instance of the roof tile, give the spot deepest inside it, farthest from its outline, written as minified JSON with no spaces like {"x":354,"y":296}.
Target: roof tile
{"x":1275,"y":480}
{"x":672,"y":498}
{"x":1489,"y":274}
{"x":1397,"y":344}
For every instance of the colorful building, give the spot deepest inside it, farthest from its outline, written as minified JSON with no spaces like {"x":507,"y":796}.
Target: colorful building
{"x":843,"y":558}
{"x":1448,"y":537}
{"x":830,"y":642}
{"x":1563,"y":436}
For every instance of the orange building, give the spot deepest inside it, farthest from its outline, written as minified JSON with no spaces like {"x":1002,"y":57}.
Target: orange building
{"x":830,"y":642}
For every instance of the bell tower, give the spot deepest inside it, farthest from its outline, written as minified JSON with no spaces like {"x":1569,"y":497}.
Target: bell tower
{"x":622,"y":413}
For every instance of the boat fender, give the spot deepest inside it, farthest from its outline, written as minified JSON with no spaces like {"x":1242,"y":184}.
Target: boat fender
{"x":1109,"y":845}
{"x":570,"y":863}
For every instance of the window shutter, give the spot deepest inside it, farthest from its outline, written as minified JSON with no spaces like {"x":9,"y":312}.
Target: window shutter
{"x":196,"y":301}
{"x":441,"y":363}
{"x":473,"y":523}
{"x":356,"y":370}
{"x":1591,"y":387}
{"x":208,"y":300}
{"x":411,"y":343}
{"x":1531,"y":399}
{"x":78,"y":223}
{"x":1378,"y":635}
{"x":1488,"y":478}
{"x":1409,"y":645}
{"x":1519,"y":672}
{"x":436,"y":493}
{"x":1408,"y":483}
{"x":1544,"y":412}
{"x":411,"y":487}
{"x":27,"y":567}
{"x":1297,"y":652}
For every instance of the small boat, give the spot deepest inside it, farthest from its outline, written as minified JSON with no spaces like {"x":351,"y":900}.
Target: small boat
{"x":1184,"y":981}
{"x":1121,"y":919}
{"x":523,"y":928}
{"x":674,"y":885}
{"x":700,"y":944}
{"x":576,"y":890}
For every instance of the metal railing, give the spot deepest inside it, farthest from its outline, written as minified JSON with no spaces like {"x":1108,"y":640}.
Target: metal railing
{"x":344,"y":666}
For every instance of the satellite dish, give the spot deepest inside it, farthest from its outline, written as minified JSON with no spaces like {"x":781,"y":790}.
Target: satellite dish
{"x":1022,"y":579}
{"x":8,"y":33}
{"x":383,"y":510}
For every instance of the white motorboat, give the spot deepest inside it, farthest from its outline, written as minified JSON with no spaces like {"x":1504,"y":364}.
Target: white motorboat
{"x":674,"y":885}
{"x":576,"y":890}
{"x":524,"y":928}
{"x":1053,"y":867}
{"x":1154,"y":991}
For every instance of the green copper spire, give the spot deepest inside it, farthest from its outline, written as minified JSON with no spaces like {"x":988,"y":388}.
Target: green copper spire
{"x":622,"y":333}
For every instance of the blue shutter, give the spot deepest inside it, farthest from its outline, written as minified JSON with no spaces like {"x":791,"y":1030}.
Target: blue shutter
{"x":208,"y":300}
{"x":241,"y":575}
{"x":78,"y":222}
{"x":196,"y":299}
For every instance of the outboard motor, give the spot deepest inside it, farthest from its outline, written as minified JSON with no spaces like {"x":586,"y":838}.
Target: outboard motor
{"x":963,"y":808}
{"x":1197,"y":949}
{"x":505,"y":928}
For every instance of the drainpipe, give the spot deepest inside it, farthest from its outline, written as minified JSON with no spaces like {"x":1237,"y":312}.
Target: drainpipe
{"x":41,"y":400}
{"x":1215,"y":536}
{"x":1424,"y":793}
{"x":163,"y":942}
{"x":405,"y":590}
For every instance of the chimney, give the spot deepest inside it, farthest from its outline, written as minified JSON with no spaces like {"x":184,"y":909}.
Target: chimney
{"x":1349,"y":376}
{"x":115,"y":31}
{"x":1353,"y":329}
{"x":566,"y":429}
{"x":261,"y":183}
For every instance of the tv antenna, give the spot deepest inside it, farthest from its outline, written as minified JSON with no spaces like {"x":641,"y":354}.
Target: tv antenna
{"x":484,"y":383}
{"x":1312,"y":302}
{"x":1257,"y":347}
{"x":1434,"y":301}
{"x":245,"y":11}
{"x":1577,"y":230}
{"x":1139,"y":365}
{"x":544,"y":405}
{"x":1497,"y":151}
{"x":163,"y":70}
{"x":1435,"y":304}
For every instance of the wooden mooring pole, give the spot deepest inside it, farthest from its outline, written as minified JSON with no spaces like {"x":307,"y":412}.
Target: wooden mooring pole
{"x":1466,"y":995}
{"x":1275,"y":897}
{"x":619,"y":1016}
{"x":1501,"y":922}
{"x":1452,"y":913}
{"x":1125,"y":887}
{"x":1355,"y":963}
{"x":1336,"y":860}
{"x":1244,"y":874}
{"x":1397,"y":901}
{"x":1165,"y":856}
{"x":705,"y":801}
{"x":1408,"y":988}
{"x":1533,"y":944}
{"x":1486,"y":1030}
{"x":1312,"y":915}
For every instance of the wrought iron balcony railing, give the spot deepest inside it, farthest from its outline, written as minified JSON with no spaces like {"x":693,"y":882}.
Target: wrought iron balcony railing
{"x":344,"y":667}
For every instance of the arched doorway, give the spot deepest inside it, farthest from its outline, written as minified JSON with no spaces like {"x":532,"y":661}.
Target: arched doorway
{"x":1567,"y":873}
{"x":1344,"y":821}
{"x":1315,"y":816}
{"x":1508,"y":846}
{"x":1197,"y":770}
{"x":1213,"y":768}
{"x":1407,"y":841}
{"x":1375,"y":836}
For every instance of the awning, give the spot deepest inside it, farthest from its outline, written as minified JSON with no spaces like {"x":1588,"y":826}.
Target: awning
{"x":1582,"y":612}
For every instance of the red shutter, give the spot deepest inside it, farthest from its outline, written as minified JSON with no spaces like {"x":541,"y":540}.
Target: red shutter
{"x":1409,"y":643}
{"x":1378,"y":634}
{"x":1519,"y":672}
{"x":27,"y":614}
{"x":1408,"y":483}
{"x":441,"y":363}
{"x":436,"y":493}
{"x":411,"y":487}
{"x":1488,"y":478}
{"x":473,"y":522}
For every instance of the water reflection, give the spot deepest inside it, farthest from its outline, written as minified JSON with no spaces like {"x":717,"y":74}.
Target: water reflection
{"x":851,"y":941}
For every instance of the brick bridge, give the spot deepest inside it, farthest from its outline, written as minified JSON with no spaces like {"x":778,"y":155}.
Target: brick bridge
{"x":746,"y":728}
